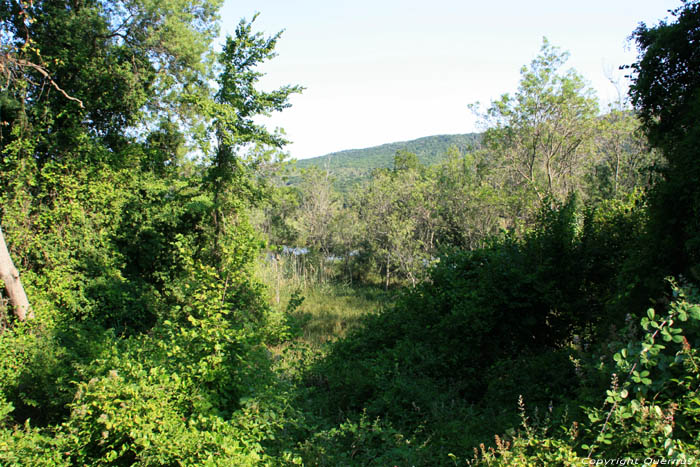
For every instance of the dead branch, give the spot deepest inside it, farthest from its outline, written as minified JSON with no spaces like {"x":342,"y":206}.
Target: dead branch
{"x":8,"y":61}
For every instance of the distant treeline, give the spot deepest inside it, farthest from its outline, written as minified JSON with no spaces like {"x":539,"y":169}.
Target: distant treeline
{"x":353,"y":165}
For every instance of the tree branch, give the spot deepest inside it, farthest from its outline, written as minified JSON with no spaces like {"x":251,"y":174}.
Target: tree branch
{"x":7,"y":61}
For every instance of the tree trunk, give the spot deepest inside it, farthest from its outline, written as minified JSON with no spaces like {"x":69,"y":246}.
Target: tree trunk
{"x":386,"y":287}
{"x":276,"y":258}
{"x":13,"y":286}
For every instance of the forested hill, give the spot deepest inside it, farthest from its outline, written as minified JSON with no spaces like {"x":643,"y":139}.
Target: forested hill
{"x":354,"y":164}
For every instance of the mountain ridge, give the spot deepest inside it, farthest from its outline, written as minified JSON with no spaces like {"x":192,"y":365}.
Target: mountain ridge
{"x":350,"y":166}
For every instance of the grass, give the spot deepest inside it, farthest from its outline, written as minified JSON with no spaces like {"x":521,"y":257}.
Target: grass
{"x":323,"y":311}
{"x":319,"y":310}
{"x":330,"y":310}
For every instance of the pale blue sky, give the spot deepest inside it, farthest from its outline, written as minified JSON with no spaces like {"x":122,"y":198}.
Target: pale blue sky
{"x":382,"y":71}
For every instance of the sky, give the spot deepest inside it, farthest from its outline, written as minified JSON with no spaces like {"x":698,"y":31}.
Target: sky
{"x":381,"y":71}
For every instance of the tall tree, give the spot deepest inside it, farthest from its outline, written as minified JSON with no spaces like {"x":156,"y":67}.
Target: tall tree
{"x":543,"y":132}
{"x":236,"y":105}
{"x":396,"y":209}
{"x":101,"y":102}
{"x":665,"y":91}
{"x":131,"y":63}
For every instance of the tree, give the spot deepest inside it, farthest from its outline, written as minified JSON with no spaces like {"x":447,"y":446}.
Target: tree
{"x":405,"y":160}
{"x":396,"y":207}
{"x":542,"y":134}
{"x":88,"y":89}
{"x":622,"y":157}
{"x":233,"y":110}
{"x":101,"y":194}
{"x":13,"y":285}
{"x":665,"y":86}
{"x":470,"y":209}
{"x":126,"y":64}
{"x":665,"y":91}
{"x":346,"y":231}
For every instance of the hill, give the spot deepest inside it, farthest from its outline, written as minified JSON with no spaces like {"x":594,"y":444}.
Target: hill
{"x":352,"y":165}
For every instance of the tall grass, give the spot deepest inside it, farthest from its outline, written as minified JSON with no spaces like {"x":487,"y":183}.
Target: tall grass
{"x":305,"y":293}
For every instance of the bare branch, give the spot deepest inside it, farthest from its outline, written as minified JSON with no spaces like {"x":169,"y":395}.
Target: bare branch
{"x":7,"y":61}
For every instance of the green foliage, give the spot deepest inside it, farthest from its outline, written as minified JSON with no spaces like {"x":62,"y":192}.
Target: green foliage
{"x":471,"y":208}
{"x":545,"y":143}
{"x":155,"y":342}
{"x":67,"y":249}
{"x":405,"y":160}
{"x":654,"y":398}
{"x":312,"y":311}
{"x":664,"y":85}
{"x":352,"y":166}
{"x":651,"y":408}
{"x":541,"y":134}
{"x":491,"y":324}
{"x":536,"y":311}
{"x":25,"y":445}
{"x":148,"y":346}
{"x":361,"y":442}
{"x":165,"y":398}
{"x":175,"y":395}
{"x":318,"y":205}
{"x":125,"y":61}
{"x":534,"y":444}
{"x":396,"y":206}
{"x":623,"y":161}
{"x":523,"y":376}
{"x":665,"y":91}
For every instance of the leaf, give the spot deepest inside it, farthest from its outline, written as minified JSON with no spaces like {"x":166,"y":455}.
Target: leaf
{"x":645,"y":323}
{"x":695,"y":312}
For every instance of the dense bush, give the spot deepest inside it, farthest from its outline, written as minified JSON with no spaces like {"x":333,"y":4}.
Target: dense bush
{"x":514,"y":319}
{"x":650,"y":411}
{"x":483,"y":307}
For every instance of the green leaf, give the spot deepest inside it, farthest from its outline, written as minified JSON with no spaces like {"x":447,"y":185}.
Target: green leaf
{"x":695,"y":312}
{"x":645,"y":323}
